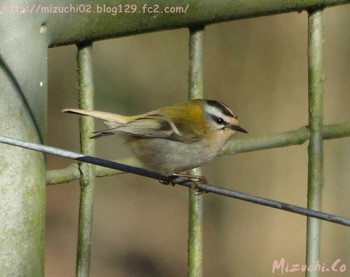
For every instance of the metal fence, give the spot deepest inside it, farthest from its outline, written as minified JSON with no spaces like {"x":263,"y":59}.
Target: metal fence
{"x":25,"y":223}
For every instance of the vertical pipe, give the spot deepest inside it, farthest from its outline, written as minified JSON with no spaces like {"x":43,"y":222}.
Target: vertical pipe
{"x":87,"y":179}
{"x":23,"y":109}
{"x":315,"y":152}
{"x":195,"y":228}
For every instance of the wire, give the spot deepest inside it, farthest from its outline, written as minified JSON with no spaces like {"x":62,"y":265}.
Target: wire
{"x":83,"y":158}
{"x":187,"y":182}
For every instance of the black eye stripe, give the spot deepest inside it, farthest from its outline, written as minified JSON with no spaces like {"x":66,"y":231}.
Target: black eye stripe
{"x":219,"y":120}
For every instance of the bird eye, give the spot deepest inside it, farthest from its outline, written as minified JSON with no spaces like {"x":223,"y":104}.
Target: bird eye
{"x":219,"y":121}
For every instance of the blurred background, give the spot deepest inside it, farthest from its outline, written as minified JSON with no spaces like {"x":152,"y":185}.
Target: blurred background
{"x":258,"y":67}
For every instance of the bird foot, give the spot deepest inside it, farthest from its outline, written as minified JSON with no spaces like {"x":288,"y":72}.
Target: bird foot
{"x":195,"y":180}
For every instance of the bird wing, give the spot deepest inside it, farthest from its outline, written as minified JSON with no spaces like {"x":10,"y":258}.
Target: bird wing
{"x":151,"y":125}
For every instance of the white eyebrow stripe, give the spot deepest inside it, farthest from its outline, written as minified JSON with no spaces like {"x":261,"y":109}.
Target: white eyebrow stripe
{"x":217,"y":113}
{"x":222,"y":107}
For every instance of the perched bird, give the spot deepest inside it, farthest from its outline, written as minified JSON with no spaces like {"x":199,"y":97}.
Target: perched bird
{"x":174,"y":138}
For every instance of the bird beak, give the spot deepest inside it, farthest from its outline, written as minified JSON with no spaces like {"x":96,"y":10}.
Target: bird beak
{"x":238,"y":129}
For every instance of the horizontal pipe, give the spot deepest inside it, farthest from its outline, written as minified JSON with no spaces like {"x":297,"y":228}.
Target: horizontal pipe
{"x":96,"y":20}
{"x":236,"y":146}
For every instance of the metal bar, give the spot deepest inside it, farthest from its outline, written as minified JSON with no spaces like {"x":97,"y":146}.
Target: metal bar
{"x":178,"y":181}
{"x":315,"y":150}
{"x":72,"y":172}
{"x":87,"y":146}
{"x":195,"y":223}
{"x":155,"y":15}
{"x":296,"y":137}
{"x":235,"y":146}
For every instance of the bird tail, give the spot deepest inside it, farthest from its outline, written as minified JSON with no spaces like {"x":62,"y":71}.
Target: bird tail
{"x":113,"y":121}
{"x":109,"y":117}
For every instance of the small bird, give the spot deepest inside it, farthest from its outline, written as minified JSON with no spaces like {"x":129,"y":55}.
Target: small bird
{"x":175,"y":138}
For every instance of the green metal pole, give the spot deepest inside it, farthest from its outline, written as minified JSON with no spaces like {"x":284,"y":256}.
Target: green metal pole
{"x":315,"y":150}
{"x":87,"y":179}
{"x":23,"y":100}
{"x":195,"y":228}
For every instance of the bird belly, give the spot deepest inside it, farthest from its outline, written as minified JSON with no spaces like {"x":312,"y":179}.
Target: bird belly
{"x":168,"y":156}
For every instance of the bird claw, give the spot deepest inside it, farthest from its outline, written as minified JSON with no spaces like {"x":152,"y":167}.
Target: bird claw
{"x":198,"y":180}
{"x":194,"y":179}
{"x":168,"y":180}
